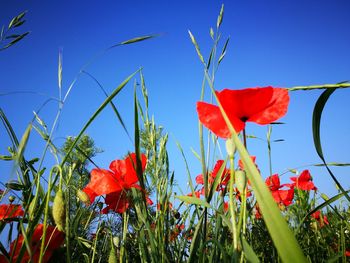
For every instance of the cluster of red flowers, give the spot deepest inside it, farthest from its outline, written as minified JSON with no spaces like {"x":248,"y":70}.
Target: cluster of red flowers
{"x":321,"y":220}
{"x":115,"y":183}
{"x":225,"y":177}
{"x":285,"y":197}
{"x":53,"y":240}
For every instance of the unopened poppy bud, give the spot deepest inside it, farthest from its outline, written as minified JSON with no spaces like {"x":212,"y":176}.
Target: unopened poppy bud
{"x":11,"y":198}
{"x":116,"y":241}
{"x":83,"y":197}
{"x":112,"y":256}
{"x":230,"y":148}
{"x":241,"y":180}
{"x":59,"y":210}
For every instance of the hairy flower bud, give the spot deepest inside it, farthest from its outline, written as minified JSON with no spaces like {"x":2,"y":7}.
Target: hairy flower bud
{"x":83,"y":197}
{"x":241,"y":180}
{"x":230,"y":148}
{"x":59,"y":210}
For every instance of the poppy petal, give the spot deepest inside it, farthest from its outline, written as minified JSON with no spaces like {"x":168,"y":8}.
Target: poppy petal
{"x":211,"y":117}
{"x":103,"y":182}
{"x":275,"y":109}
{"x":245,"y":103}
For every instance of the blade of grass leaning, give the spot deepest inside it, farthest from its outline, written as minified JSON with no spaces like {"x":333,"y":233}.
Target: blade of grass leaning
{"x":9,"y":129}
{"x":111,"y":102}
{"x":249,"y":253}
{"x":316,"y":125}
{"x":193,"y":200}
{"x":344,"y":84}
{"x":189,"y":179}
{"x":283,"y":238}
{"x":97,"y":112}
{"x":23,"y":143}
{"x":137,"y":139}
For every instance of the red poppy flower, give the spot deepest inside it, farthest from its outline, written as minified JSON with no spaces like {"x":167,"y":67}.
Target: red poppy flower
{"x":53,"y":241}
{"x":259,"y":105}
{"x":241,"y":164}
{"x":273,"y":182}
{"x":258,"y":214}
{"x":170,"y":206}
{"x":122,"y":177}
{"x":284,"y":197}
{"x":248,"y":193}
{"x":317,"y":216}
{"x":116,"y":201}
{"x":304,"y":181}
{"x":10,"y":211}
{"x":212,"y":175}
{"x":196,"y":194}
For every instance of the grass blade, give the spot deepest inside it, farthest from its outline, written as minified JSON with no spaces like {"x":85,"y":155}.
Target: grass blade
{"x":316,"y":124}
{"x":97,"y":112}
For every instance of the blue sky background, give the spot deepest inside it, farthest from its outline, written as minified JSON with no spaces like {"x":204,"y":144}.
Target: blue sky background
{"x":278,"y":43}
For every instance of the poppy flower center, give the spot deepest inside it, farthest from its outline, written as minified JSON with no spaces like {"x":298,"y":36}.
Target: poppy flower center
{"x":244,"y":119}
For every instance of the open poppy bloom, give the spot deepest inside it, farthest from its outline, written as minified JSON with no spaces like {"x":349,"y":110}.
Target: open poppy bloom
{"x":304,"y":181}
{"x":321,"y":221}
{"x":225,"y":176}
{"x":259,"y":105}
{"x":122,"y":176}
{"x":53,"y":240}
{"x":116,"y":201}
{"x":10,"y":211}
{"x":284,"y":197}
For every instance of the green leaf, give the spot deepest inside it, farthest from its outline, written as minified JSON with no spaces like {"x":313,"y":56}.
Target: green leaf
{"x":249,"y":252}
{"x":316,"y":124}
{"x":120,"y":119}
{"x":23,"y":143}
{"x":193,"y":200}
{"x":97,"y":112}
{"x":332,"y":164}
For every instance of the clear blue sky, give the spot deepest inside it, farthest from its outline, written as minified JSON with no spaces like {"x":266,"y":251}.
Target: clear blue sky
{"x":279,"y":43}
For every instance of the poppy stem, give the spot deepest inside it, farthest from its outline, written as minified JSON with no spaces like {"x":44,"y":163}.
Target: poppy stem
{"x":244,"y":139}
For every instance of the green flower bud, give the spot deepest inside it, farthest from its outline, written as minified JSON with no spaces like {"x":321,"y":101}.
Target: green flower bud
{"x":11,"y":198}
{"x":230,"y":148}
{"x":241,"y":180}
{"x":59,"y":210}
{"x":83,"y":197}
